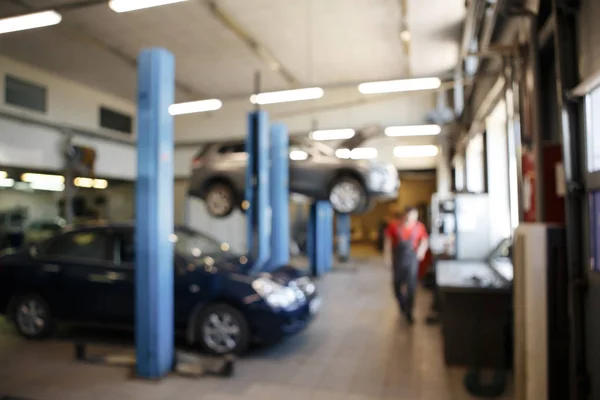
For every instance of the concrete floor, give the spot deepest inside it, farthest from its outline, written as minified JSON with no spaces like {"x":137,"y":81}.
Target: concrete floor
{"x":358,"y":349}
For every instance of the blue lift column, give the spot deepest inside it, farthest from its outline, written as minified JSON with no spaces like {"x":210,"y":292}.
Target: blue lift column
{"x":280,"y":198}
{"x":258,"y":213}
{"x":320,"y":237}
{"x":342,"y":225}
{"x":154,"y":322}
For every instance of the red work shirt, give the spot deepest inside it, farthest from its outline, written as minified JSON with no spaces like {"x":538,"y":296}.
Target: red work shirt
{"x":397,"y":229}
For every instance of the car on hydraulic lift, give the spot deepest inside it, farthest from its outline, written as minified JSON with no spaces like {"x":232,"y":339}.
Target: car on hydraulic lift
{"x":351,"y":186}
{"x":86,"y":276}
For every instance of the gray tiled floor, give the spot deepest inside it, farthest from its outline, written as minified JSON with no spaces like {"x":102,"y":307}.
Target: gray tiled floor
{"x":358,"y":349}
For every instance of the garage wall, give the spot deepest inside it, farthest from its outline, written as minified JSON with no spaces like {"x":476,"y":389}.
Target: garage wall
{"x":69,"y":103}
{"x":40,"y":205}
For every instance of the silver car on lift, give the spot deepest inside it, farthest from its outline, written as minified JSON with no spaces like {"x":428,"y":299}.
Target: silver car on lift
{"x":351,"y":186}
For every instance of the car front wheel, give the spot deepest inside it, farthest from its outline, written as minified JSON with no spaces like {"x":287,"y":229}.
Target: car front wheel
{"x":223,"y":330}
{"x":347,"y":195}
{"x":220,"y":200}
{"x":32,"y":317}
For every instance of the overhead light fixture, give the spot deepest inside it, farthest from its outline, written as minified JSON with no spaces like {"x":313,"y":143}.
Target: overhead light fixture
{"x":29,"y":21}
{"x":7,"y":182}
{"x":343,"y":153}
{"x":100,"y":184}
{"x":332,"y":134}
{"x":298,"y":155}
{"x":121,"y":6}
{"x":42,"y":178}
{"x":47,"y":185}
{"x":413,"y":130}
{"x":428,"y":150}
{"x":401,"y":85}
{"x":195,"y":107}
{"x":3,"y":174}
{"x":363,"y":153}
{"x":285,"y":96}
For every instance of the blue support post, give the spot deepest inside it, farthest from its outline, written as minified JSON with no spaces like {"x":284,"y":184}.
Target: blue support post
{"x":342,"y":225}
{"x":257,"y":188}
{"x":154,"y":322}
{"x":320,"y":237}
{"x":280,"y":198}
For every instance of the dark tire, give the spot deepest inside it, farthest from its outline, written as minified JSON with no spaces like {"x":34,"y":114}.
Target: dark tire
{"x":220,"y":199}
{"x":32,"y":316}
{"x":222,"y":329}
{"x":347,"y":195}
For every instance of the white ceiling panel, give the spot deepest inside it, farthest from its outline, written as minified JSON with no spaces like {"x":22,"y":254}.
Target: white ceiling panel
{"x":324,"y":42}
{"x":327,"y":42}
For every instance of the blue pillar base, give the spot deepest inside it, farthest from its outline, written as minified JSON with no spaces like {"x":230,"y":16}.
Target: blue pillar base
{"x":320,"y":237}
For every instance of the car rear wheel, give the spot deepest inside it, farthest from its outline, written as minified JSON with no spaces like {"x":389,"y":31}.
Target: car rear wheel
{"x":220,"y":200}
{"x":223,"y":330}
{"x":32,"y":317}
{"x":347,"y":195}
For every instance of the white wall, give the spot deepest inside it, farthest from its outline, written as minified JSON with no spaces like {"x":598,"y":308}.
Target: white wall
{"x":69,"y":103}
{"x":40,"y":205}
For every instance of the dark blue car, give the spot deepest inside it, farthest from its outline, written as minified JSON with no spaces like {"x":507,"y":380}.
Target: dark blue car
{"x":86,"y":275}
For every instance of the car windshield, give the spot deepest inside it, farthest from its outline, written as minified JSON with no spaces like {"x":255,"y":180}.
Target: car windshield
{"x":190,"y":243}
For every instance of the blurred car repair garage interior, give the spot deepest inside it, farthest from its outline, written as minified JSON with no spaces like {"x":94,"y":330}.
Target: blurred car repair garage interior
{"x":328,"y":199}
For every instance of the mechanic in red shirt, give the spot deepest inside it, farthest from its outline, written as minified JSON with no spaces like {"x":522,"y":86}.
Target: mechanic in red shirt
{"x":406,"y":227}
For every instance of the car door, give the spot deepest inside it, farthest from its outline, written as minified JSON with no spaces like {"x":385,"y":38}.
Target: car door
{"x":80,"y":259}
{"x":121,"y":304}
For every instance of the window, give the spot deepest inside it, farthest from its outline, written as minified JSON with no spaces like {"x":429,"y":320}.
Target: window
{"x":115,"y":120}
{"x":190,"y":243}
{"x":475,"y":164}
{"x":86,"y":245}
{"x":593,"y":130}
{"x":233,"y":148}
{"x":20,"y":93}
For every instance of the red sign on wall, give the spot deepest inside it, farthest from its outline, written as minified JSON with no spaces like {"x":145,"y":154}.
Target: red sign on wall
{"x":529,"y":178}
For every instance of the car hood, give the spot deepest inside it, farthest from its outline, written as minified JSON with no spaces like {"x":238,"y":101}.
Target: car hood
{"x":282,"y":275}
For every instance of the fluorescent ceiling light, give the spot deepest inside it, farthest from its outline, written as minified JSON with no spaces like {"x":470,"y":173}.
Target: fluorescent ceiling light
{"x":428,"y":150}
{"x":332,"y":134}
{"x":401,"y":85}
{"x":363,"y":153}
{"x":287,"y":96}
{"x":343,"y":153}
{"x":3,"y":174}
{"x":29,"y":21}
{"x":6,"y":183}
{"x":195,"y":107}
{"x":298,"y":155}
{"x":132,"y":5}
{"x":43,"y":178}
{"x":47,"y":185}
{"x":413,"y":130}
{"x":100,"y":184}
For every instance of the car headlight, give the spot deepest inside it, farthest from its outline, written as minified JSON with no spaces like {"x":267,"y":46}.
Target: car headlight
{"x":306,"y":285}
{"x":276,"y":295}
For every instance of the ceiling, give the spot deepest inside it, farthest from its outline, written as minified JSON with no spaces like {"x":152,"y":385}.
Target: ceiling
{"x":320,"y":42}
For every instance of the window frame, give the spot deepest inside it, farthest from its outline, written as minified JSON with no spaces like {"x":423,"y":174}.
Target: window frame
{"x":19,"y":80}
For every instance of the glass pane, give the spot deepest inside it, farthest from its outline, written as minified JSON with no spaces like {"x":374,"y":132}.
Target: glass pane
{"x":593,"y":130}
{"x":80,"y":245}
